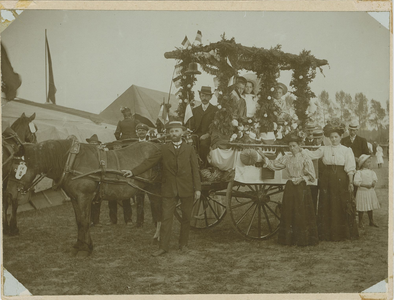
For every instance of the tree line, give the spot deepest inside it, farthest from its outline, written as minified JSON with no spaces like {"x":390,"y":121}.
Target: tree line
{"x":372,"y":116}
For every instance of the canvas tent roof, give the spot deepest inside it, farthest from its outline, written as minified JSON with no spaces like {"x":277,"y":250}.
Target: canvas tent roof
{"x":57,"y":122}
{"x":141,"y":101}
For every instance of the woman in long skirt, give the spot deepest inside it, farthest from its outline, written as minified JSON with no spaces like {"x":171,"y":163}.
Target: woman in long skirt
{"x":298,"y":219}
{"x":336,"y":209}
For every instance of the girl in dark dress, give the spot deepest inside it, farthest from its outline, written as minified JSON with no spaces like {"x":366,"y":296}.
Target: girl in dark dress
{"x":298,"y":220}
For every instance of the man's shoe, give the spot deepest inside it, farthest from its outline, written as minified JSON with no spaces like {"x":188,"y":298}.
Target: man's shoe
{"x":373,"y":224}
{"x":159,"y":252}
{"x":130,"y":225}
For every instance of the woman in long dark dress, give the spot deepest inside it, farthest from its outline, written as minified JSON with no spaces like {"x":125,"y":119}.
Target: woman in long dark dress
{"x":336,"y":210}
{"x":298,"y":219}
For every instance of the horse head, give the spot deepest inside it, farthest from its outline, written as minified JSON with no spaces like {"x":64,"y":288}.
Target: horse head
{"x":25,"y":128}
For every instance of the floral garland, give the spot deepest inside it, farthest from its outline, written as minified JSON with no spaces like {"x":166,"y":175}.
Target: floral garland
{"x":223,"y":59}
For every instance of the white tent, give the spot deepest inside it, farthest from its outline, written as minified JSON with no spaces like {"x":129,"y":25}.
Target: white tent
{"x":57,"y":122}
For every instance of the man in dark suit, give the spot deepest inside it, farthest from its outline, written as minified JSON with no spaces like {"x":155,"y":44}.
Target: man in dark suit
{"x":358,"y":144}
{"x":180,"y":181}
{"x":309,"y":140}
{"x":203,"y":116}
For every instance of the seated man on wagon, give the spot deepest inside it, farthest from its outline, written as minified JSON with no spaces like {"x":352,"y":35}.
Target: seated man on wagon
{"x":203,"y":116}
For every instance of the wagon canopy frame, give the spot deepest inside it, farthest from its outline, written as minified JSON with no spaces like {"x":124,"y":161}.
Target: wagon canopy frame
{"x":224,"y":58}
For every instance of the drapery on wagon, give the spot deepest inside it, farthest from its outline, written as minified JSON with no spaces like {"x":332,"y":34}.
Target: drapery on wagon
{"x":252,"y":192}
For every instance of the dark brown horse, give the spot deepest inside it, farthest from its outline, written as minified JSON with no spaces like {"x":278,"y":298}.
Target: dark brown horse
{"x":52,"y":157}
{"x":22,"y":130}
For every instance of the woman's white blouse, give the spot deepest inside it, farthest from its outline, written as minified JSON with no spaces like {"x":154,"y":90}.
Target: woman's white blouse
{"x":335,"y":155}
{"x":297,"y":166}
{"x":251,"y":104}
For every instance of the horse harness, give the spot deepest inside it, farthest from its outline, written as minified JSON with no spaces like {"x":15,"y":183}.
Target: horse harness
{"x":99,"y":175}
{"x":10,"y":134}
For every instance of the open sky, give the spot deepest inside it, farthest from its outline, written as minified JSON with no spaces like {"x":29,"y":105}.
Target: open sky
{"x":97,"y":55}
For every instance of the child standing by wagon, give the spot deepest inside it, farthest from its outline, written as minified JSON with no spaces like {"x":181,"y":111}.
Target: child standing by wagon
{"x":366,"y":199}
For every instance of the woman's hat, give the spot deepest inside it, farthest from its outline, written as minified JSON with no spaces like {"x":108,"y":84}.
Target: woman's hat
{"x":192,"y":69}
{"x":282,"y":86}
{"x":334,"y":126}
{"x":93,"y":138}
{"x":142,"y":126}
{"x":206,"y":90}
{"x":175,"y":124}
{"x":240,"y":79}
{"x":362,"y":159}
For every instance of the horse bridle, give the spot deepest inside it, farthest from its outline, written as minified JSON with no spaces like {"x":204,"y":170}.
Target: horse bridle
{"x":21,"y":186}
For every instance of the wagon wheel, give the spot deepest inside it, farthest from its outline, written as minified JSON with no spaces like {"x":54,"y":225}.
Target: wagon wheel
{"x":207,"y":212}
{"x":254,"y":209}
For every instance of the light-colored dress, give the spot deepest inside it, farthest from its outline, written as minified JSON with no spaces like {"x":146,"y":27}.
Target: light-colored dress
{"x":251,"y":104}
{"x":379,"y":155}
{"x":366,"y":198}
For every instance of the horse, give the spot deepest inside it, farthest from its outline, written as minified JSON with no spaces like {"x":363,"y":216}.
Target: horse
{"x":82,"y":170}
{"x":22,"y":130}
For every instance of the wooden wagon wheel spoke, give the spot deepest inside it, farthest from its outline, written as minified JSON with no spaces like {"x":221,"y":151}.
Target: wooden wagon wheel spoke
{"x":245,"y":213}
{"x":241,"y":204}
{"x":266,"y":217}
{"x":214,"y":212}
{"x":272,"y":212}
{"x":259,"y":220}
{"x":251,"y":221}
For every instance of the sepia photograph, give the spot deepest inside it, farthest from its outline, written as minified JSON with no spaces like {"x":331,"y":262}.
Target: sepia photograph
{"x":196,"y":152}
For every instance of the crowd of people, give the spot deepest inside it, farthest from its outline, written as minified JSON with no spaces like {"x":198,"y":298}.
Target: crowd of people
{"x":315,"y":207}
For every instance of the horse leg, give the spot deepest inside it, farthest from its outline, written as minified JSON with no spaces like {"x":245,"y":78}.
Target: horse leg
{"x":14,"y":230}
{"x":5,"y":216}
{"x":82,"y":209}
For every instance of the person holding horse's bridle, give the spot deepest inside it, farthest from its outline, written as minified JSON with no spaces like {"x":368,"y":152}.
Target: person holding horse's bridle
{"x":155,"y":202}
{"x":180,"y":181}
{"x":126,"y":129}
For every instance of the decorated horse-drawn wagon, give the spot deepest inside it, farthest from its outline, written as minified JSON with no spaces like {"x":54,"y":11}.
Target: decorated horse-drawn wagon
{"x":236,"y":182}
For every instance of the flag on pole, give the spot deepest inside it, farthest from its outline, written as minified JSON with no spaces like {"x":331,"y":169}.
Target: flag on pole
{"x":178,"y":70}
{"x":11,"y":81}
{"x":163,"y":114}
{"x":52,"y":87}
{"x":186,"y":43}
{"x":197,"y":41}
{"x":188,"y":113}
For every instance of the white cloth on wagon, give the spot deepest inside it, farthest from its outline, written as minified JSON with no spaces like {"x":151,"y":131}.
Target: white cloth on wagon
{"x":229,"y":159}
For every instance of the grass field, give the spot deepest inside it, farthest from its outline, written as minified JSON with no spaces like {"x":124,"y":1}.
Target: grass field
{"x":220,"y":261}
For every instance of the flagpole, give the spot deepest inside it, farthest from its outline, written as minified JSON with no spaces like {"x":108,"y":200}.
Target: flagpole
{"x":46,"y":80}
{"x":169,"y":92}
